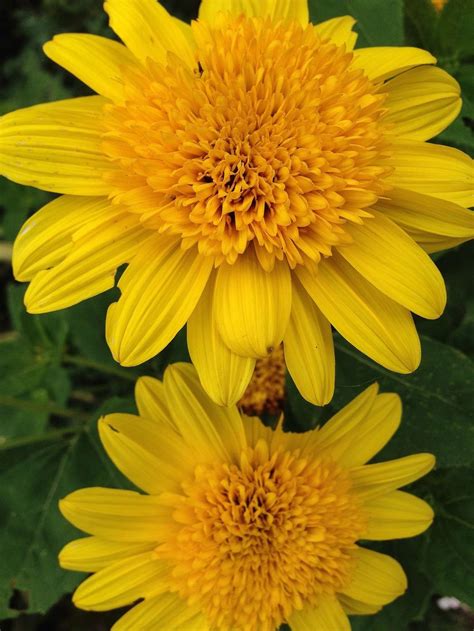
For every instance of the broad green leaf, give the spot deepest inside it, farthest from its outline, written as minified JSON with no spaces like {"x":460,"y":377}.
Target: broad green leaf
{"x":449,"y":558}
{"x":33,"y":477}
{"x":379,"y":22}
{"x":456,"y":27}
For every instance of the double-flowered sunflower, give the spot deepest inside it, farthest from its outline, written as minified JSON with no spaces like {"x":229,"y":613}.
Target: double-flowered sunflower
{"x":261,"y":178}
{"x":243,"y":527}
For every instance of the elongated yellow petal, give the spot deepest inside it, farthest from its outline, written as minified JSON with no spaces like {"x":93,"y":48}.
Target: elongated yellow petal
{"x":210,"y":430}
{"x":422,"y":102}
{"x":155,"y":470}
{"x":90,"y":267}
{"x":56,"y":147}
{"x":151,"y":402}
{"x":115,"y":514}
{"x":382,"y":62}
{"x":368,"y":319}
{"x":159,"y":292}
{"x":46,"y":238}
{"x":353,"y":438}
{"x":275,"y":9}
{"x":397,"y":515}
{"x":73,"y":51}
{"x":167,"y":611}
{"x":434,"y":170}
{"x":122,"y":583}
{"x":388,"y":258}
{"x":357,"y":608}
{"x":148,"y":30}
{"x":327,"y":615}
{"x":435,"y":224}
{"x":160,"y":439}
{"x":309,"y":349}
{"x":252,"y":305}
{"x":376,"y":578}
{"x":223,"y":374}
{"x":371,"y":481}
{"x":339,"y":31}
{"x":341,"y":427}
{"x":90,"y":554}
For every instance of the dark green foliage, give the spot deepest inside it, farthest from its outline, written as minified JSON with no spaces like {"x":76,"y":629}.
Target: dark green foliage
{"x":57,"y":374}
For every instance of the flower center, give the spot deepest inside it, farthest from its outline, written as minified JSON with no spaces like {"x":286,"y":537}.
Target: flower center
{"x":274,"y":142}
{"x":255,"y":541}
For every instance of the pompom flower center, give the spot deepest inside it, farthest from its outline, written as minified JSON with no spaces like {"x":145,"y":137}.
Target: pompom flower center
{"x":257,"y":540}
{"x":274,"y":141}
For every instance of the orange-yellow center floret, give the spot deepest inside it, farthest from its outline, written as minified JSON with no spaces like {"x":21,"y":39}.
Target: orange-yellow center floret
{"x":273,"y":141}
{"x":256,"y":540}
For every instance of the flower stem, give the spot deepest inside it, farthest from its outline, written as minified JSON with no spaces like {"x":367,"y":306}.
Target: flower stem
{"x":39,"y":438}
{"x":36,"y":406}
{"x":77,"y":360}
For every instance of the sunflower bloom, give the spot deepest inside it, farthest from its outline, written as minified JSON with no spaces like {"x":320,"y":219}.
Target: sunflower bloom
{"x":261,"y":178}
{"x":243,"y":528}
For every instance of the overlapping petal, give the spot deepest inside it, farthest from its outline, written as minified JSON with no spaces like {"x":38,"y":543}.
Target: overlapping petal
{"x":382,"y":62}
{"x":275,"y":9}
{"x":309,"y":349}
{"x":91,"y":554}
{"x":339,"y":31}
{"x":223,"y":374}
{"x":160,"y":290}
{"x":397,"y":515}
{"x":56,"y":147}
{"x":328,"y":615}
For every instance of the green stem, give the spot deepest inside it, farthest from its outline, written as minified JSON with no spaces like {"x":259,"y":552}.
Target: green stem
{"x":77,"y":360}
{"x":40,"y":438}
{"x":36,"y":406}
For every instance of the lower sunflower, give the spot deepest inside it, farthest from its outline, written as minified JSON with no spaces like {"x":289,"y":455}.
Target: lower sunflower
{"x":242,"y":527}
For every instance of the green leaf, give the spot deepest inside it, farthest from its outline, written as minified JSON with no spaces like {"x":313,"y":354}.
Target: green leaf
{"x":437,"y":400}
{"x":449,"y":557}
{"x":379,"y":22}
{"x":33,"y":478}
{"x":456,"y":27}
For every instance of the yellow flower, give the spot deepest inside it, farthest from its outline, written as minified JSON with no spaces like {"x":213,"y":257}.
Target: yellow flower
{"x":243,"y":527}
{"x":261,"y":179}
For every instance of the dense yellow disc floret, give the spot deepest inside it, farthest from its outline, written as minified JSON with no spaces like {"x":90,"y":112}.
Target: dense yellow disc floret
{"x":274,"y":144}
{"x":259,"y":539}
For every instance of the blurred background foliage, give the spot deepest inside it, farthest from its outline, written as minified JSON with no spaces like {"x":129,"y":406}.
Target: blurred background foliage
{"x":58,"y":375}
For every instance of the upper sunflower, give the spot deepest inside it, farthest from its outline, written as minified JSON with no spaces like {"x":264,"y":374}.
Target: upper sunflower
{"x":262,"y":180}
{"x":243,"y":528}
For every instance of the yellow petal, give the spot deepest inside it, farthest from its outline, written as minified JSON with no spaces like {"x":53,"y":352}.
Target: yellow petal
{"x":371,"y":481}
{"x":422,"y":102}
{"x":340,"y":427}
{"x":90,"y":554}
{"x":339,"y":31}
{"x":153,"y":469}
{"x":56,"y":147}
{"x":74,"y":51}
{"x":382,"y":62}
{"x":357,"y":608}
{"x":151,"y":403}
{"x":252,"y":305}
{"x":377,"y":579}
{"x":309,"y":349}
{"x":397,"y":515}
{"x":275,"y":9}
{"x":160,"y":289}
{"x":428,"y":220}
{"x":148,"y":30}
{"x":434,"y":170}
{"x":210,"y":430}
{"x":327,"y":615}
{"x":223,"y":374}
{"x":353,"y":438}
{"x":372,"y":322}
{"x":90,"y":267}
{"x":165,"y":612}
{"x":46,"y":238}
{"x":122,"y":583}
{"x":115,"y":514}
{"x":389,"y":259}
